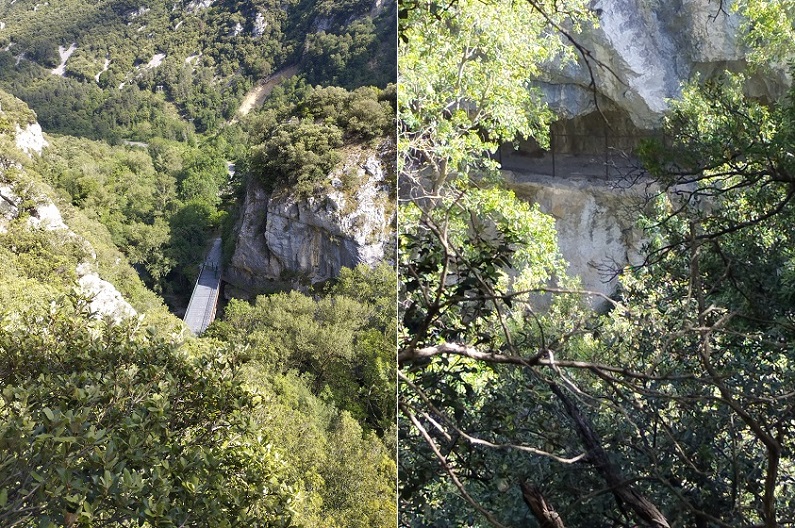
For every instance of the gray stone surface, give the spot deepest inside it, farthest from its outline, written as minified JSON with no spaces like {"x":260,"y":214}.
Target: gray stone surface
{"x":285,"y":237}
{"x":652,"y":47}
{"x":595,"y":223}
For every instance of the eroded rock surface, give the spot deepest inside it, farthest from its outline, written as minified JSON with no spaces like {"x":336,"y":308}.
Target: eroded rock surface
{"x":30,"y":139}
{"x":595,"y":222}
{"x":652,"y":47}
{"x":649,"y":49}
{"x":285,"y":237}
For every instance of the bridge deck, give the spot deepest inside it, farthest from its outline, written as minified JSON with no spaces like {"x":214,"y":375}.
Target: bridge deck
{"x":201,"y":308}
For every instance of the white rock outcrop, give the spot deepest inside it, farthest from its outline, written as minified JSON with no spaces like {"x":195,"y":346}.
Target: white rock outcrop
{"x":259,"y":25}
{"x":155,"y":61}
{"x":135,"y":13}
{"x":284,"y":237}
{"x":197,"y":5}
{"x":105,"y":298}
{"x":9,"y":206}
{"x":64,"y":53}
{"x":105,"y":68}
{"x":45,"y":215}
{"x":30,"y":139}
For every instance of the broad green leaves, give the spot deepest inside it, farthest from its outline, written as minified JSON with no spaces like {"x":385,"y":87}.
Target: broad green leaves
{"x":324,"y":372}
{"x":105,"y":424}
{"x":716,"y":300}
{"x":769,"y":31}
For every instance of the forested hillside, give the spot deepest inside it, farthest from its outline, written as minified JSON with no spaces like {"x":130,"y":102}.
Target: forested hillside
{"x":169,"y":78}
{"x":672,"y":404}
{"x":112,"y":414}
{"x":164,"y":69}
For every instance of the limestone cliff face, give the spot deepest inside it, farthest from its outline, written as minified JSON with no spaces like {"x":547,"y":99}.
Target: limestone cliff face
{"x":652,"y":46}
{"x":595,"y":223}
{"x":284,"y":238}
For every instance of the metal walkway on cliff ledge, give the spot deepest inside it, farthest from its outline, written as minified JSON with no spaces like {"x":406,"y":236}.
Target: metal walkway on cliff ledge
{"x":203,"y":301}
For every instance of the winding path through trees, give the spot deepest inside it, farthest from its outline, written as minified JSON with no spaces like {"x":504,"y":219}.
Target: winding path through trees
{"x":256,"y":96}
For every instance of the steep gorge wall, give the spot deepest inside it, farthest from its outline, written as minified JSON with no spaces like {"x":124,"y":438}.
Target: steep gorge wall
{"x":651,"y":48}
{"x":284,"y":239}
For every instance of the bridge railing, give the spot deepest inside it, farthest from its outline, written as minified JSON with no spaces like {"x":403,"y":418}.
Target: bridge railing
{"x":193,"y":300}
{"x":598,"y":155}
{"x":209,"y":315}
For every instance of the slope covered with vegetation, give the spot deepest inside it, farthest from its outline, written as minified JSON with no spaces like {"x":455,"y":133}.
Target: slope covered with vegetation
{"x":160,"y":200}
{"x":282,"y":413}
{"x":142,"y":69}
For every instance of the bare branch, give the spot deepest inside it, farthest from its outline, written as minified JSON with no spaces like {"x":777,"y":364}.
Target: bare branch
{"x":449,"y":469}
{"x":597,"y":456}
{"x":478,"y":441}
{"x":539,"y":359}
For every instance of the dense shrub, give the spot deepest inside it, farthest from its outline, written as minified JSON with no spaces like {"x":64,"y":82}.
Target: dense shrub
{"x":298,"y":154}
{"x":104,"y":424}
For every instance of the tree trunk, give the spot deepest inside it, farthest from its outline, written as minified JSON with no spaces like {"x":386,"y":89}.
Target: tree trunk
{"x":623,"y":492}
{"x":545,"y":514}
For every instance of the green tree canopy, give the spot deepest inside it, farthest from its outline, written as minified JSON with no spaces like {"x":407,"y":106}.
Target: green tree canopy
{"x":107,"y":424}
{"x":344,"y":341}
{"x":463,"y":81}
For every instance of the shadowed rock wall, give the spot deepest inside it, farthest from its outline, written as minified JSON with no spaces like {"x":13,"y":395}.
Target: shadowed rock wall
{"x":286,"y":239}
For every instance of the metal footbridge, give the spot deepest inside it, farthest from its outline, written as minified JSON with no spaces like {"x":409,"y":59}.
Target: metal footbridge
{"x":203,"y":301}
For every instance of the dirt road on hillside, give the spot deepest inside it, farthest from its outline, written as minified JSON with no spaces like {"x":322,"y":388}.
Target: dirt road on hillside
{"x":257,"y":95}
